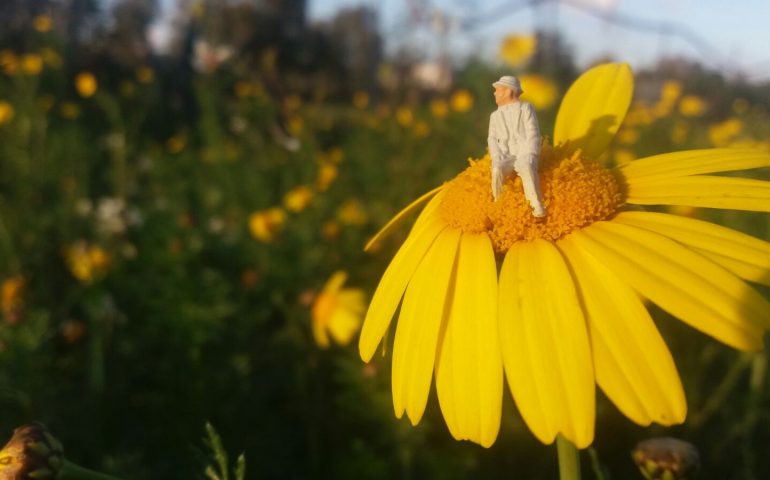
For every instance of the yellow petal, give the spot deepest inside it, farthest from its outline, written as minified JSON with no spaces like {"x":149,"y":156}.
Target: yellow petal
{"x":594,"y":107}
{"x":693,"y":162}
{"x":469,"y":371}
{"x":335,"y":282}
{"x":545,"y":344}
{"x":633,"y":365}
{"x":745,"y":256}
{"x":681,"y":281}
{"x":400,"y":216}
{"x":419,"y":322}
{"x":703,"y":191}
{"x":393,"y":284}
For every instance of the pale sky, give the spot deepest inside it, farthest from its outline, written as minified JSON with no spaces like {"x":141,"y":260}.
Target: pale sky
{"x":731,"y":36}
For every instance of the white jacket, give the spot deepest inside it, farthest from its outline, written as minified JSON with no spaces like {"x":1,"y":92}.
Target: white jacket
{"x":513,"y":132}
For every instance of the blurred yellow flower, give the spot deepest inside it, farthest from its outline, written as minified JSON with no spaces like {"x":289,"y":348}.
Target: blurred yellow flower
{"x":42,"y":23}
{"x":360,"y":99}
{"x":670,"y":92}
{"x":692,"y":106}
{"x":515,"y":50}
{"x":540,"y":91}
{"x":176,"y":143}
{"x":295,"y":124}
{"x":264,"y":225}
{"x":298,"y":198}
{"x":337,"y":312}
{"x":352,"y":213}
{"x":740,"y":106}
{"x":628,"y":136}
{"x":292,"y":102}
{"x":335,"y":155}
{"x":623,"y":156}
{"x":145,"y":74}
{"x":6,"y":112}
{"x":86,"y":84}
{"x":639,"y":114}
{"x":461,"y":101}
{"x":69,"y":110}
{"x":722,"y":133}
{"x":439,"y":108}
{"x":11,"y":292}
{"x":421,"y":129}
{"x":404,"y":116}
{"x":9,"y":62}
{"x":51,"y":57}
{"x":327,"y":173}
{"x":330,"y":230}
{"x":86,"y":262}
{"x":32,"y":64}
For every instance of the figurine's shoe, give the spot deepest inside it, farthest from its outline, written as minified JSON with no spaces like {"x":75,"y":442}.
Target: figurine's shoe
{"x":538,"y":212}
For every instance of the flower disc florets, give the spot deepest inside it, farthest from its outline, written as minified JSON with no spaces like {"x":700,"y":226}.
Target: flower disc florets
{"x":576,"y":192}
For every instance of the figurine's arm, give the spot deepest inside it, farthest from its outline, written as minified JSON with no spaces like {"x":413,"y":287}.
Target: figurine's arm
{"x":532,"y":130}
{"x":494,"y":149}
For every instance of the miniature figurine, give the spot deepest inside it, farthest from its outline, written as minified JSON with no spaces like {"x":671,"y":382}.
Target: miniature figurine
{"x":514,"y":142}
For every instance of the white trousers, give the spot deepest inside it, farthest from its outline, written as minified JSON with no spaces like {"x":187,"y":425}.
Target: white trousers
{"x":525,"y":167}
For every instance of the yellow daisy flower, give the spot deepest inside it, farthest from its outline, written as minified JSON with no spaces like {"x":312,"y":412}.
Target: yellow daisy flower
{"x":86,"y":84}
{"x":337,"y":311}
{"x":566,"y":310}
{"x":515,"y":50}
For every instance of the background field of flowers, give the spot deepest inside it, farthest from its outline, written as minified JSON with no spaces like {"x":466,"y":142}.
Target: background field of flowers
{"x":168,"y":223}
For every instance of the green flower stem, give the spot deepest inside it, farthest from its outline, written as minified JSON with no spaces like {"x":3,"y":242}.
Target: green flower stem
{"x":71,"y":471}
{"x":569,"y":459}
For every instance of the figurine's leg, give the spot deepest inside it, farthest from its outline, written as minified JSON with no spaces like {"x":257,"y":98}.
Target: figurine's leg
{"x":527,"y":170}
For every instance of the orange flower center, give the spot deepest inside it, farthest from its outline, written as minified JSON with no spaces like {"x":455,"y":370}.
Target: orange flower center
{"x":576,"y":192}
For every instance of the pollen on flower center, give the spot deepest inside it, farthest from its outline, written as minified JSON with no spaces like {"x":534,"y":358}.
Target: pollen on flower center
{"x":576,"y":192}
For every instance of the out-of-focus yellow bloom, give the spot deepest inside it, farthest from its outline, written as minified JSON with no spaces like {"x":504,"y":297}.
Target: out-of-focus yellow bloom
{"x":623,"y":156}
{"x":32,"y":64}
{"x":330,"y":230}
{"x":337,"y":311}
{"x":670,"y":92}
{"x":86,"y":262}
{"x":679,"y":131}
{"x":335,"y":155}
{"x":421,"y":129}
{"x":11,"y":297}
{"x":515,"y":50}
{"x":86,"y":84}
{"x":145,"y":74}
{"x":298,"y":198}
{"x":51,"y":57}
{"x":740,"y":106}
{"x":176,"y":143}
{"x":9,"y":62}
{"x":295,"y":124}
{"x":722,"y":133}
{"x":692,"y":106}
{"x":352,"y":213}
{"x":69,"y":110}
{"x":243,"y":89}
{"x":264,"y":225}
{"x":628,"y":136}
{"x":360,"y":99}
{"x":42,"y":23}
{"x":6,"y":112}
{"x":439,"y":108}
{"x":327,"y":173}
{"x":292,"y":102}
{"x":540,"y":91}
{"x":404,"y":116}
{"x":639,"y":114}
{"x":461,"y":101}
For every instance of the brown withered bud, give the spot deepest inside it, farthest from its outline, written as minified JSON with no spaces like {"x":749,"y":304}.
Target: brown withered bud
{"x":31,"y":453}
{"x":666,"y":458}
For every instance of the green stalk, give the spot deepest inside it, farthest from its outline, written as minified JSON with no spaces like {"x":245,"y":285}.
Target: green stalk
{"x":71,"y":471}
{"x":569,"y":459}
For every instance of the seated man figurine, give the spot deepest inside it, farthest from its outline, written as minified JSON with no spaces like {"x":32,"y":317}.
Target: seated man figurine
{"x":514,"y":142}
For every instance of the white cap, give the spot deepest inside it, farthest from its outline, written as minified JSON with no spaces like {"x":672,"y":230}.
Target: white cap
{"x":509,"y":81}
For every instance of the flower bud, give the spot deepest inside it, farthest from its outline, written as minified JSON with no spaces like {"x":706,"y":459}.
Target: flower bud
{"x":32,"y":453}
{"x":666,"y":458}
